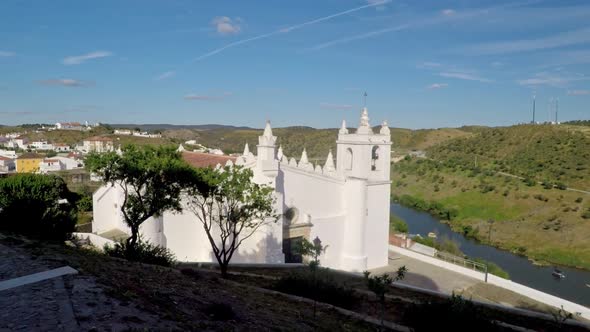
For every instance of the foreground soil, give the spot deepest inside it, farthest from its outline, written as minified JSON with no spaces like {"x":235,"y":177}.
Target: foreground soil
{"x":113,"y":294}
{"x":134,"y":295}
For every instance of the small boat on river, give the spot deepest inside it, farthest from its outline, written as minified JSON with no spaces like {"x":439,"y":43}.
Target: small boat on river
{"x":558,"y":274}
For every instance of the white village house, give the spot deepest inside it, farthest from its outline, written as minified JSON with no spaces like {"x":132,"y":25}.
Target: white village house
{"x":344,"y":203}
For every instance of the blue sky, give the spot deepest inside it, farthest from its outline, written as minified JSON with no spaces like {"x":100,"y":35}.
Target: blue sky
{"x":424,"y":64}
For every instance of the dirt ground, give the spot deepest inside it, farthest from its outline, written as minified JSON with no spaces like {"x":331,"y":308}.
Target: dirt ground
{"x":113,"y":294}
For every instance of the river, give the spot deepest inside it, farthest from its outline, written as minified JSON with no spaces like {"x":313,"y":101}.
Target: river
{"x":573,"y":287}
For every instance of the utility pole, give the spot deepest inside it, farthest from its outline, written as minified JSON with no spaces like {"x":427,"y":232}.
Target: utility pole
{"x":491,"y":222}
{"x":534,"y":102}
{"x":556,"y":109}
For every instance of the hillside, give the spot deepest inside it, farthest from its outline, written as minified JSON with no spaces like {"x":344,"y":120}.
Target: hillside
{"x":470,"y":176}
{"x":541,"y":152}
{"x":317,"y":142}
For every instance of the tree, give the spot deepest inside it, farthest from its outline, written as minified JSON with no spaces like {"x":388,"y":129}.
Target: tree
{"x":313,"y":250}
{"x":151,"y":180}
{"x":379,"y":285}
{"x":230,"y":207}
{"x":37,"y":204}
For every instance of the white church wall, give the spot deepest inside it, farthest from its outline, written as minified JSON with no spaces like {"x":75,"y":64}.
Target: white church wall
{"x":330,"y":231}
{"x":377,"y":225}
{"x":311,"y":193}
{"x":186,"y":238}
{"x":106,"y":210}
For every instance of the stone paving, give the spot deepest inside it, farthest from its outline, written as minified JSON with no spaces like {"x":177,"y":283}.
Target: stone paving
{"x":67,"y":303}
{"x":428,"y":276}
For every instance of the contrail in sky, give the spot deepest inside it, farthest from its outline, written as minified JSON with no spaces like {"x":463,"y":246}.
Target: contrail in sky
{"x":286,"y":30}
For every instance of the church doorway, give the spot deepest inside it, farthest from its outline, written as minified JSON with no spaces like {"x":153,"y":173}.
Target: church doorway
{"x":290,"y":249}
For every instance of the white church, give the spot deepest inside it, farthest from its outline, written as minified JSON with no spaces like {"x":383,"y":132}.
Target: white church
{"x":343,"y":203}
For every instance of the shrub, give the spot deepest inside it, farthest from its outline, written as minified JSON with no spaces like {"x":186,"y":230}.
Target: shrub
{"x":529,"y":182}
{"x":579,"y":200}
{"x":453,"y":314}
{"x":143,"y":252}
{"x":547,"y":185}
{"x":560,"y":186}
{"x":586,"y":215}
{"x":322,"y":288}
{"x":38,"y":205}
{"x":398,"y":224}
{"x":84,"y":203}
{"x":541,"y":197}
{"x":493,"y":268}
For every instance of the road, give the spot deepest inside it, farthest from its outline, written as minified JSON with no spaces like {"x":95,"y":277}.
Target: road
{"x":521,"y":178}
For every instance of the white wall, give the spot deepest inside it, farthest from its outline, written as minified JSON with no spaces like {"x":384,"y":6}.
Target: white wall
{"x":377,"y":225}
{"x":106,"y":210}
{"x":500,"y":282}
{"x":314,"y":194}
{"x":330,"y":231}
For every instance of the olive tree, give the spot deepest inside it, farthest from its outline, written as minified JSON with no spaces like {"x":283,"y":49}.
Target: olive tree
{"x":231,"y":208}
{"x":380,"y":285}
{"x":151,"y":179}
{"x":36,"y":204}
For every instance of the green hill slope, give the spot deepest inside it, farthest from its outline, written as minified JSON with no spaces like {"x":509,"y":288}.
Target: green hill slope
{"x":541,"y":152}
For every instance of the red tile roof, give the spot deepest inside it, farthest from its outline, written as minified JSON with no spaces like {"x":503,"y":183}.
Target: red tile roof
{"x":5,"y":158}
{"x":199,"y":160}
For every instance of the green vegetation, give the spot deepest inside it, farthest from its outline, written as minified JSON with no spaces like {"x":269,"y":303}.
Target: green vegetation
{"x":246,"y":207}
{"x":143,"y":252}
{"x":397,"y":225}
{"x":543,"y":153}
{"x":455,"y":313}
{"x":320,"y":287}
{"x":151,"y":179}
{"x":380,"y":285}
{"x":545,"y":222}
{"x":38,"y":205}
{"x":435,"y":208}
{"x":493,"y":268}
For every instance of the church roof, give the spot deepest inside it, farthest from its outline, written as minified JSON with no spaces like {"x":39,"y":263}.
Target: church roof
{"x":199,"y":159}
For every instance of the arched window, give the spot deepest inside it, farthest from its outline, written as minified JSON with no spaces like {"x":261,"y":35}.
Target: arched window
{"x":374,"y":157}
{"x":348,"y":160}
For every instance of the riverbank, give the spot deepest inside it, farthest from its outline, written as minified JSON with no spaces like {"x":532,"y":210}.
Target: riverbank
{"x":520,"y":269}
{"x":544,"y":225}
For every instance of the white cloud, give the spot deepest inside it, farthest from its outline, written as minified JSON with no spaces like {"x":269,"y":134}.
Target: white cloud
{"x":78,"y":59}
{"x":419,"y":23}
{"x":206,"y":97}
{"x":226,"y":26}
{"x":332,"y":106}
{"x":379,"y":4}
{"x":438,"y":85}
{"x":464,"y":76}
{"x":568,"y":38}
{"x":6,"y":54}
{"x":448,"y":12}
{"x":579,"y":93}
{"x":357,"y":37}
{"x":65,"y":82}
{"x":165,"y":75}
{"x":285,"y":30}
{"x":557,"y":80}
{"x":497,"y":64}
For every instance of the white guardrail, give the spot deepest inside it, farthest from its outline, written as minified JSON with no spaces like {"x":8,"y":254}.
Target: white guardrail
{"x":500,"y":282}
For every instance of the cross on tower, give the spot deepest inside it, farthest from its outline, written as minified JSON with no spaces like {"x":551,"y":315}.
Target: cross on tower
{"x":365,"y":99}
